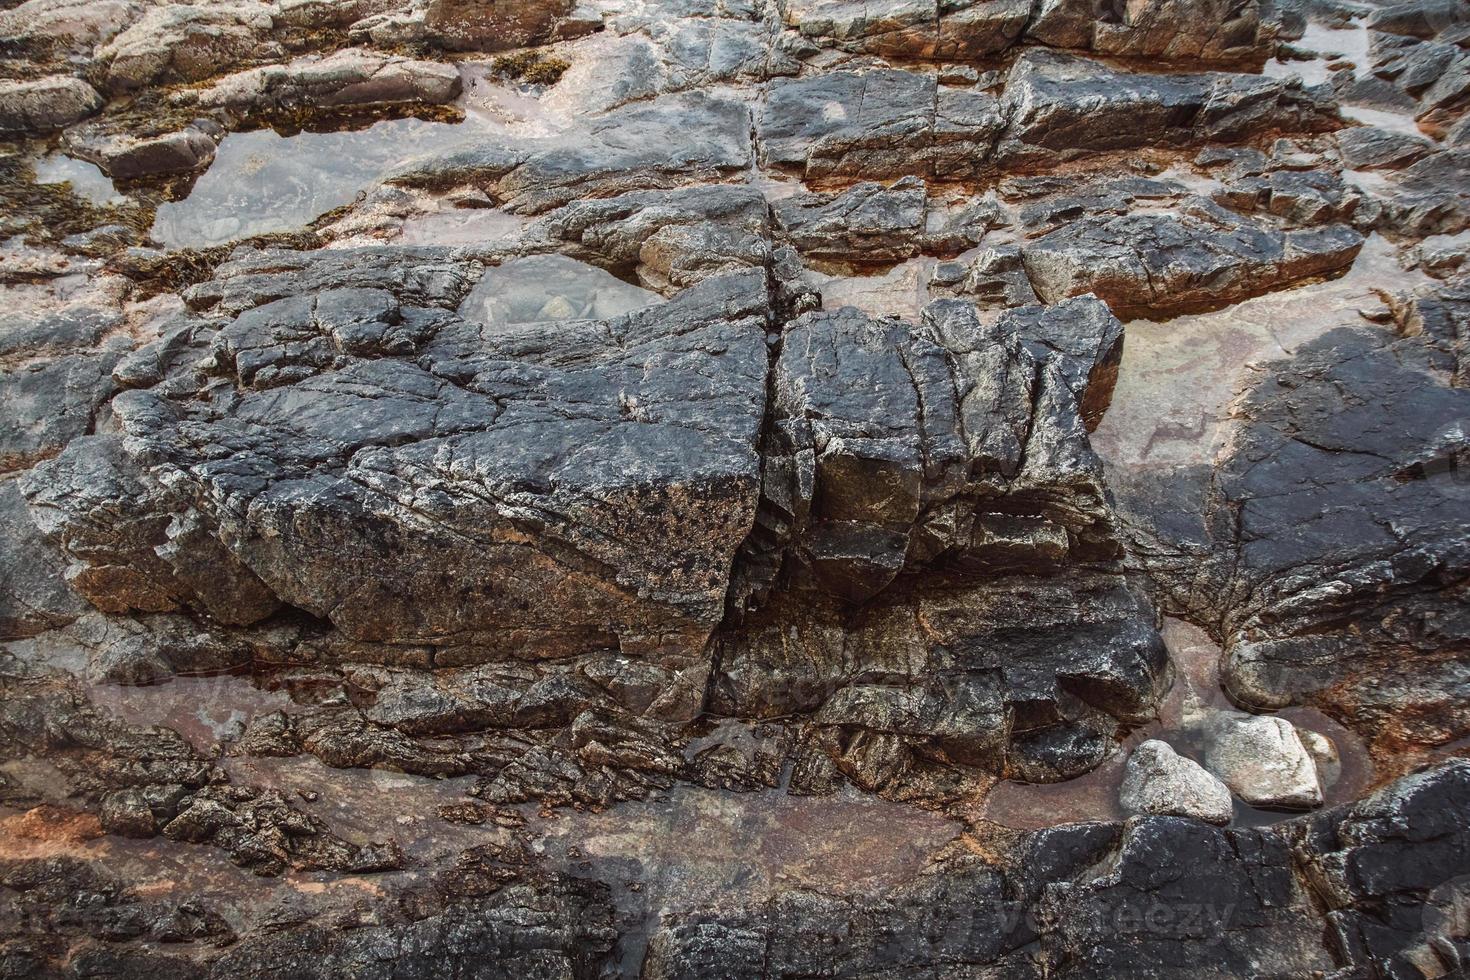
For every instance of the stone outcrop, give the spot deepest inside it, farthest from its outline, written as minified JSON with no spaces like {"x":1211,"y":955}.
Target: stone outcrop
{"x":1162,"y":264}
{"x":1062,"y":107}
{"x":670,"y":491}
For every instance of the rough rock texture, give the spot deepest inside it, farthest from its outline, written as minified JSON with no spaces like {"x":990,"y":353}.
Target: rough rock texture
{"x":493,"y":25}
{"x":346,"y":78}
{"x":666,"y":142}
{"x":1160,"y":781}
{"x":750,"y":488}
{"x":916,"y":673}
{"x":1341,"y":512}
{"x":892,"y":447}
{"x":1174,"y":30}
{"x":179,"y":42}
{"x":913,"y":28}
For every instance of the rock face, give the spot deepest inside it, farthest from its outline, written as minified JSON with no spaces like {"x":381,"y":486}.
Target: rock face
{"x":1316,"y":544}
{"x":1162,"y":782}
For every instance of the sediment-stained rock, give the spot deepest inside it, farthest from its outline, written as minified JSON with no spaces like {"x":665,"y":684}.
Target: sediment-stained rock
{"x":1187,"y":31}
{"x":969,"y":29}
{"x":488,"y":25}
{"x":350,"y":78}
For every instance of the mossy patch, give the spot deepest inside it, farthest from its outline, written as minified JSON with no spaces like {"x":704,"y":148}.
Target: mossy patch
{"x":532,"y":67}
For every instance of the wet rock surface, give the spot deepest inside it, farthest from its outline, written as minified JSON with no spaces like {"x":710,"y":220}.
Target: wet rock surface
{"x":778,"y":488}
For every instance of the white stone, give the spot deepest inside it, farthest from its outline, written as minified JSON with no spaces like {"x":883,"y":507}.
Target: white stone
{"x":1160,"y":781}
{"x":1263,"y":760}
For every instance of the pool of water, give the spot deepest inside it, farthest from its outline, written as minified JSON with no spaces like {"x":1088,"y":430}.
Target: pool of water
{"x":87,"y":181}
{"x":262,"y":182}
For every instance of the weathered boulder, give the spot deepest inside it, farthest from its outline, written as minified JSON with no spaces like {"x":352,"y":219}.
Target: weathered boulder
{"x":124,"y":156}
{"x":1163,"y":263}
{"x":1162,"y":782}
{"x":1371,"y":148}
{"x":542,"y":929}
{"x":1185,"y":897}
{"x":45,"y":104}
{"x":1431,"y":196}
{"x":876,"y":125}
{"x":51,"y":400}
{"x":1263,"y":760}
{"x":1084,"y":339}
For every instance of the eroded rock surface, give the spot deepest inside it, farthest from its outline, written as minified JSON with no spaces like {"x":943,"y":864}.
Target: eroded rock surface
{"x":778,"y":488}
